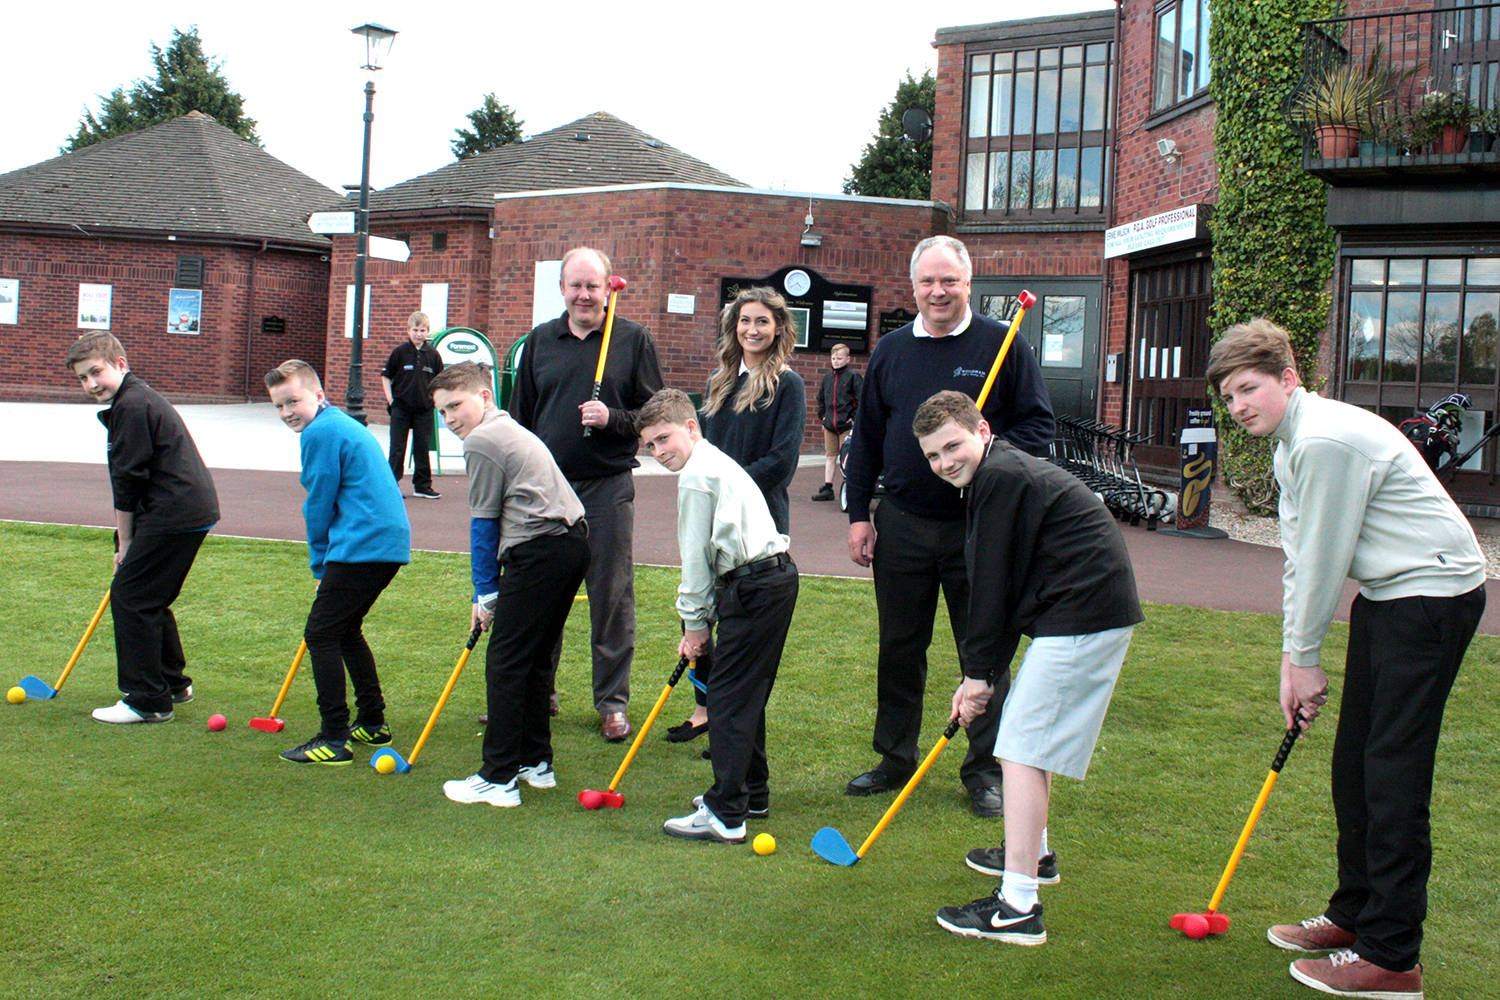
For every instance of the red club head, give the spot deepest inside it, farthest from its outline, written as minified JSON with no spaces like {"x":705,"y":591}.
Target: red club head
{"x":613,"y":799}
{"x":616,"y":283}
{"x":1026,"y":299}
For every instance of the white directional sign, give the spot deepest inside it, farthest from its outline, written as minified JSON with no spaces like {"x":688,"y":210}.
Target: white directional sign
{"x":328,"y":223}
{"x":389,"y":249}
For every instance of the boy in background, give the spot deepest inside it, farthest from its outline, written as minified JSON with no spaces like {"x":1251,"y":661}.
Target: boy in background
{"x":358,"y":537}
{"x":838,"y":398}
{"x":409,"y":404}
{"x":529,"y":552}
{"x":165,"y":503}
{"x":736,"y":570}
{"x":1045,"y":559}
{"x":1358,"y":502}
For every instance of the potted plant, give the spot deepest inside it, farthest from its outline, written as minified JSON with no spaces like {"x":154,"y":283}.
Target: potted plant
{"x":1338,"y":103}
{"x":1441,"y":121}
{"x":1485,"y":126}
{"x":1390,"y":136}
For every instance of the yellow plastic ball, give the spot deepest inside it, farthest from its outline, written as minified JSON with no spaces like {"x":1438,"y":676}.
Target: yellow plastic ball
{"x":386,"y":764}
{"x":16,"y":695}
{"x":764,"y":844}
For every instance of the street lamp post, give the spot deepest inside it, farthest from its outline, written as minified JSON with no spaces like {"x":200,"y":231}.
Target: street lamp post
{"x":378,"y":39}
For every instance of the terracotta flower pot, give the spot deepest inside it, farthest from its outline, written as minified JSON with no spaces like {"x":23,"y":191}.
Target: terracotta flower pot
{"x":1450,"y":140}
{"x":1337,"y":142}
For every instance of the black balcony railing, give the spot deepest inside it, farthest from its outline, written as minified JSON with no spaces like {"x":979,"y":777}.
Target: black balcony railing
{"x":1409,"y":93}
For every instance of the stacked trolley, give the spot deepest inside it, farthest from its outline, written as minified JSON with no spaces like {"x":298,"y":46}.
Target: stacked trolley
{"x":1101,"y":456}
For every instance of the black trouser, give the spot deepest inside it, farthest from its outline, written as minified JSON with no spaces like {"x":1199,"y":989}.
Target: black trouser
{"x":1402,"y":660}
{"x":419,"y":424}
{"x":755,"y":612}
{"x":336,"y":641}
{"x":913,"y":557}
{"x":538,"y":580}
{"x":148,"y":652}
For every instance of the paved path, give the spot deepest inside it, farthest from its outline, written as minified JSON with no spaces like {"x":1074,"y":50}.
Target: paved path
{"x":52,"y":471}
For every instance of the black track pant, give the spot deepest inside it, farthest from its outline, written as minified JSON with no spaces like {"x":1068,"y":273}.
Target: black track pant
{"x":336,"y":642}
{"x":148,"y":652}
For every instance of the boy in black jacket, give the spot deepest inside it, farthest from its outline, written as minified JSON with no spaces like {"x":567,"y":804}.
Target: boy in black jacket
{"x":838,"y":397}
{"x":404,"y":379}
{"x":165,"y":503}
{"x":1044,"y":559}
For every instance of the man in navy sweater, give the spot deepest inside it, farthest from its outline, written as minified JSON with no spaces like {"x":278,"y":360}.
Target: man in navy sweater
{"x":920,"y":523}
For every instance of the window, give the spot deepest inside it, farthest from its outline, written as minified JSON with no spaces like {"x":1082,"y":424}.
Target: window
{"x":1182,"y":60}
{"x":1039,"y":123}
{"x":440,"y":240}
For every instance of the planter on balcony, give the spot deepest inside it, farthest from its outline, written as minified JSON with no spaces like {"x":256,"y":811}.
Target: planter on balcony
{"x":1371,"y":148}
{"x":1481,"y":142}
{"x":1451,"y":139}
{"x":1336,"y":142}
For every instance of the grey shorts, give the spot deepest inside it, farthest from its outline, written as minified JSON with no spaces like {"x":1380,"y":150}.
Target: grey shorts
{"x":1056,"y":704}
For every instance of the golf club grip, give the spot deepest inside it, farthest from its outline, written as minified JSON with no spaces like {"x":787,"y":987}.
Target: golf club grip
{"x":989,"y":382}
{"x":1288,"y":741}
{"x":88,"y":634}
{"x":683,"y":663}
{"x":640,"y":737}
{"x":911,"y":786}
{"x":609,"y":325}
{"x":286,"y":685}
{"x":437,"y":709}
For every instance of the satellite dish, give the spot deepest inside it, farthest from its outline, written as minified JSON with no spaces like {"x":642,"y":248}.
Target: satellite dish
{"x":916,"y":125}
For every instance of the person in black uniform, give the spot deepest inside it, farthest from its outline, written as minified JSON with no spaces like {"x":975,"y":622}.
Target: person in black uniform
{"x":408,"y":402}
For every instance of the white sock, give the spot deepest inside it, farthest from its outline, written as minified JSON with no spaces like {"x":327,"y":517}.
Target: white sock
{"x":1019,"y":891}
{"x":1043,"y":852}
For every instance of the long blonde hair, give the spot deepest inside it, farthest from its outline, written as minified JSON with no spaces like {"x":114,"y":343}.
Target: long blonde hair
{"x":760,"y":387}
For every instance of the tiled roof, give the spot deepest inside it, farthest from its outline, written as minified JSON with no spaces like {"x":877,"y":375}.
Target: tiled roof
{"x":186,"y":176}
{"x":614,"y":152}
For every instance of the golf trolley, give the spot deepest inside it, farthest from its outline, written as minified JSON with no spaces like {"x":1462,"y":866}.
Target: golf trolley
{"x":1436,"y":433}
{"x":1101,"y":456}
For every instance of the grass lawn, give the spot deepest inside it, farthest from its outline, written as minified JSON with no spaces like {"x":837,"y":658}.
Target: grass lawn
{"x":169,"y":861}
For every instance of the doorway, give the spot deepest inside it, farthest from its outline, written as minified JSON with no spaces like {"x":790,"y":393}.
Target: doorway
{"x":1062,"y":329}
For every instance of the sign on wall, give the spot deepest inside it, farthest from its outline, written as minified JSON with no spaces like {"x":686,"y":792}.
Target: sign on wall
{"x":10,"y":300}
{"x":1177,"y":226}
{"x":93,"y":306}
{"x":349,"y":312}
{"x":827,"y":313}
{"x":546,"y":292}
{"x":184,"y":310}
{"x":435,"y":305}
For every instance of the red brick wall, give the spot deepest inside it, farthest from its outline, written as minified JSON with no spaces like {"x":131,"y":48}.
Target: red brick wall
{"x":212,"y":366}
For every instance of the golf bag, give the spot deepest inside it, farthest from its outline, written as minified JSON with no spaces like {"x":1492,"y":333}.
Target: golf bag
{"x":1435,"y":433}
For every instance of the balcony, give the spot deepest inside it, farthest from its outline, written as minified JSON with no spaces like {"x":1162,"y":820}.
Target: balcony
{"x":1405,"y":99}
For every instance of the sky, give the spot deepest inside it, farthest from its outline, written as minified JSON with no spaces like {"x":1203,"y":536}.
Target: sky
{"x":781,"y":95}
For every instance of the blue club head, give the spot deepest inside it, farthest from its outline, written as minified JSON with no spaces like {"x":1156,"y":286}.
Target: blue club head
{"x":831,"y":846}
{"x":35,"y":687}
{"x":401,"y":765}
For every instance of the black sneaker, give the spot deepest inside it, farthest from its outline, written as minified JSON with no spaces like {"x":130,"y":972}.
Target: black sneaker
{"x":825,"y":493}
{"x":994,"y":919}
{"x":320,"y":751}
{"x":371,"y":735}
{"x":183,"y":697}
{"x":991,"y":861}
{"x":427,"y":493}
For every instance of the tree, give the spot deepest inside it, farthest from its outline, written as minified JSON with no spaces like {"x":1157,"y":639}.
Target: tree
{"x":186,"y":80}
{"x":495,"y":124}
{"x":893,"y":166}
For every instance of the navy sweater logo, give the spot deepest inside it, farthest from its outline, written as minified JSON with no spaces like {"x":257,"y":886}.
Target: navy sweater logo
{"x":969,"y":373}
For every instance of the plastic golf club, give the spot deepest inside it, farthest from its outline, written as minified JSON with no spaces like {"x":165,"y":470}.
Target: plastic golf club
{"x":275,"y":724}
{"x":403,"y":764}
{"x":1217,"y":922}
{"x":831,"y":846}
{"x":1027,"y":300}
{"x":35,"y":687}
{"x":616,"y":284}
{"x":610,"y":797}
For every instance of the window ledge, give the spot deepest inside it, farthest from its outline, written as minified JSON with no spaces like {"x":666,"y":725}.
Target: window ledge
{"x":1030,"y":226}
{"x":1176,"y":110}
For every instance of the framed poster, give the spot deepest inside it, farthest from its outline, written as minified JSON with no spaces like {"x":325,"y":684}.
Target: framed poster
{"x":10,"y":300}
{"x":184,"y":310}
{"x":349,"y":312}
{"x":435,"y":305}
{"x":93,"y":306}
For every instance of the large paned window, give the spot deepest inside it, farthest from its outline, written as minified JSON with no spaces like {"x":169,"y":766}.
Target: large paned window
{"x":1039,"y":131}
{"x":1182,"y":62}
{"x":1420,"y":328}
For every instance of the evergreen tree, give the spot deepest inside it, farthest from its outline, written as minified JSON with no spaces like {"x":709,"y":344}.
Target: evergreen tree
{"x":186,"y":80}
{"x":495,"y":124}
{"x":893,"y":166}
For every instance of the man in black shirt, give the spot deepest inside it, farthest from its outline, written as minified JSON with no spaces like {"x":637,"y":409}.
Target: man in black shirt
{"x":552,"y":398}
{"x":405,"y":378}
{"x":920,"y":523}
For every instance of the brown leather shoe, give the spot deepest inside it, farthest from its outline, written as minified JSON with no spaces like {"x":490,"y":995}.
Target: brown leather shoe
{"x":1345,"y":974}
{"x":615,"y":726}
{"x":553,"y":707}
{"x":1316,"y":934}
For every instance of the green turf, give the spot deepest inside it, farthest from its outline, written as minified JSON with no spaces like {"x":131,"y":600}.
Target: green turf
{"x":169,"y":861}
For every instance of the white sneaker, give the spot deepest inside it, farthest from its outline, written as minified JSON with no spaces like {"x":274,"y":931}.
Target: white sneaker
{"x":121,"y":714}
{"x":703,"y":825}
{"x":540,"y":776}
{"x":476,"y":789}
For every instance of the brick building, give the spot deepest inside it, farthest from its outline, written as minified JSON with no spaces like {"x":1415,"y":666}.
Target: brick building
{"x":487,"y":233}
{"x":185,"y":241}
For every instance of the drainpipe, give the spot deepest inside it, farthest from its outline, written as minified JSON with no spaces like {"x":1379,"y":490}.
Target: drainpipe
{"x":1110,"y":221}
{"x":250,"y":318}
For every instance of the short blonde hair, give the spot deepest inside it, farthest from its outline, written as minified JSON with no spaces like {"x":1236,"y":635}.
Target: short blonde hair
{"x":1259,"y":345}
{"x":418,"y":317}
{"x":466,"y":376}
{"x":294,"y":370}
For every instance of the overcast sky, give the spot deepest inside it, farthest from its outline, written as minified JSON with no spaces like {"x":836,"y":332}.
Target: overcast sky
{"x":781,"y":95}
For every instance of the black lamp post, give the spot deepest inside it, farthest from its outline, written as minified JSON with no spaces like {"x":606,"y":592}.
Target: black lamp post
{"x":378,"y":39}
